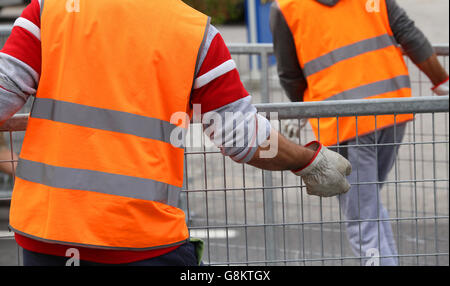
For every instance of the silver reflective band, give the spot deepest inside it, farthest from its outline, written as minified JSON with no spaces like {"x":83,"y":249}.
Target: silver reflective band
{"x":94,"y":246}
{"x":348,"y":52}
{"x":373,"y":89}
{"x":104,"y":119}
{"x":100,"y":182}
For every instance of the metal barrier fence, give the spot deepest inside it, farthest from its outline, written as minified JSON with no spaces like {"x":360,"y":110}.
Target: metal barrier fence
{"x":252,"y":217}
{"x":415,"y":194}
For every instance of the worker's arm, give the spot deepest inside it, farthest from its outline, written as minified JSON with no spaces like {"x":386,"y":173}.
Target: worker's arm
{"x":324,"y":173}
{"x":233,"y":125}
{"x":417,"y":47}
{"x":289,"y":156}
{"x":290,"y":73}
{"x":436,"y":73}
{"x":20,"y":61}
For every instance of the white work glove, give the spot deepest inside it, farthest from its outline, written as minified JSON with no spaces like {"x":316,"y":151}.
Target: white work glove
{"x":441,"y":89}
{"x":291,"y":128}
{"x":325,"y":175}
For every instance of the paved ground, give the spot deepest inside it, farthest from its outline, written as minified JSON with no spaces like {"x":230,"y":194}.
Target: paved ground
{"x":305,"y":243}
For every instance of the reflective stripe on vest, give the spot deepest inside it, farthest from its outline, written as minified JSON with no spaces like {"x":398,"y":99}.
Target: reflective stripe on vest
{"x":97,"y":167}
{"x":373,"y":89}
{"x":104,"y":119}
{"x":94,"y":181}
{"x":349,"y":53}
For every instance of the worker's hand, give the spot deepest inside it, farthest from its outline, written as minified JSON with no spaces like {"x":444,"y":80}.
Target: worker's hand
{"x":441,"y":89}
{"x":325,"y":175}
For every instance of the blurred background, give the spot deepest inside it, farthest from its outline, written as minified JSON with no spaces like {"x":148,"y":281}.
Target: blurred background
{"x":234,"y":17}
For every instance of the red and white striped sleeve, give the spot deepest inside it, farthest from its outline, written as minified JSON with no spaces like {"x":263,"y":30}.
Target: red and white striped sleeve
{"x":24,"y":43}
{"x":217,"y":82}
{"x":219,"y":92}
{"x":20,"y":61}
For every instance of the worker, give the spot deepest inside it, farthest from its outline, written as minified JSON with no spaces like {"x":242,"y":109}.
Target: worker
{"x":99,"y":172}
{"x":348,"y":49}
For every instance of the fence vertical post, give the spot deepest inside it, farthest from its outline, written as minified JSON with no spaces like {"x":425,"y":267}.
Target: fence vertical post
{"x":269,"y":216}
{"x":265,"y":77}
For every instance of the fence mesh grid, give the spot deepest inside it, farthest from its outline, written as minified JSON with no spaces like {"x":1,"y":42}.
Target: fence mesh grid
{"x":252,"y":217}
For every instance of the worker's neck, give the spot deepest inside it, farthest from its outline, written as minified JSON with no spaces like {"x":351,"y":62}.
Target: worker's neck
{"x":330,"y":3}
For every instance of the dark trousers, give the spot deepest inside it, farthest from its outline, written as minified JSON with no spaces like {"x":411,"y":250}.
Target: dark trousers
{"x":184,"y":255}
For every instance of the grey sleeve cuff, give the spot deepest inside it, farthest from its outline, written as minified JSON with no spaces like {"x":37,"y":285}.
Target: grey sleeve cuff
{"x":17,"y":82}
{"x":237,"y":129}
{"x":10,"y":103}
{"x":290,"y":73}
{"x":260,"y":134}
{"x":413,"y":41}
{"x":17,"y":77}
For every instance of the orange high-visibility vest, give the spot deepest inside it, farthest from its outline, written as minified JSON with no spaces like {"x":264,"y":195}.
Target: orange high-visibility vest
{"x":97,"y":167}
{"x":347,"y":52}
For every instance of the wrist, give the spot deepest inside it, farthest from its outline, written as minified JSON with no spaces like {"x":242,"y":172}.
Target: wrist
{"x":311,"y":151}
{"x":442,"y":88}
{"x":440,"y":81}
{"x":440,"y":85}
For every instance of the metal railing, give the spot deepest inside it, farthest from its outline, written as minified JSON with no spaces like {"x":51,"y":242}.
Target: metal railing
{"x":251,"y":217}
